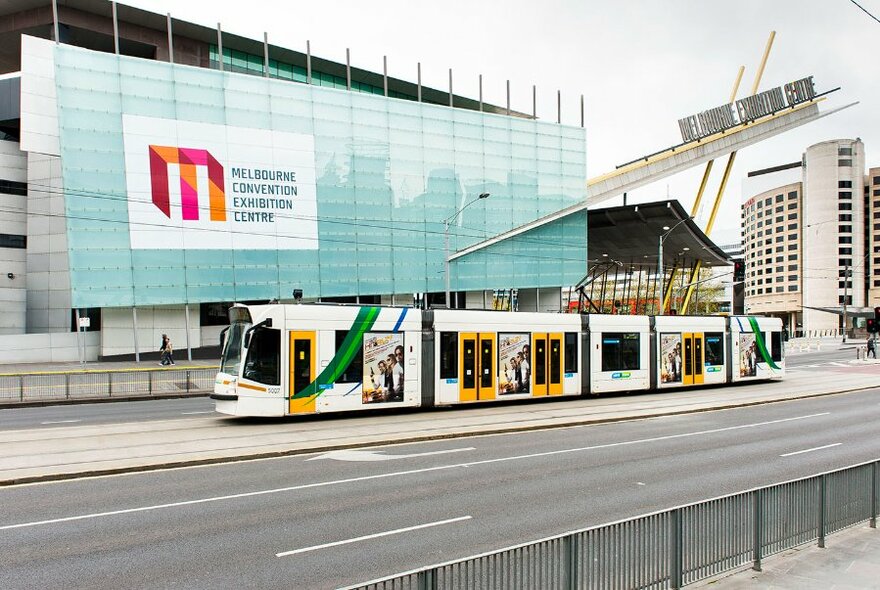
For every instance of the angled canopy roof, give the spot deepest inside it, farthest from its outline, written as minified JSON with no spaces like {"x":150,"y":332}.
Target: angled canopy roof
{"x":631,"y":234}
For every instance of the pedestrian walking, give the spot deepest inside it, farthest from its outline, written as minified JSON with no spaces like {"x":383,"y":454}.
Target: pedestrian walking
{"x":872,"y":348}
{"x":166,"y":351}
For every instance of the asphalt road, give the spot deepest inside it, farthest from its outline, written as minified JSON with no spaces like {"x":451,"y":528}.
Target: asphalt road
{"x":147,"y":410}
{"x":301,"y":522}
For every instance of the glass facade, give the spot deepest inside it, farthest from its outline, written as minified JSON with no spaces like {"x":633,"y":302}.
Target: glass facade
{"x":388,"y":172}
{"x":249,"y":63}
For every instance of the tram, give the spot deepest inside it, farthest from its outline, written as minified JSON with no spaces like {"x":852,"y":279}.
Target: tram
{"x":281,"y":360}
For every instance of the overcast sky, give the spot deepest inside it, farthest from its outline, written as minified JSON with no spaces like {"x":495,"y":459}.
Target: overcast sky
{"x":641,"y":64}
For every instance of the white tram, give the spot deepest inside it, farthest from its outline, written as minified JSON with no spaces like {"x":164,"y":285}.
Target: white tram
{"x":280,"y":360}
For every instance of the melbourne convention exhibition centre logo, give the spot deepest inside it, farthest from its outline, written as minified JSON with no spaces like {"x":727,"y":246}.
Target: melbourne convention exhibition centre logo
{"x":228,"y":188}
{"x":187,"y":159}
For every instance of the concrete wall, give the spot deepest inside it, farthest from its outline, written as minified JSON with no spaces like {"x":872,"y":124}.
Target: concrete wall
{"x":117,"y":329}
{"x":48,"y":285}
{"x":48,"y":348}
{"x":13,"y":221}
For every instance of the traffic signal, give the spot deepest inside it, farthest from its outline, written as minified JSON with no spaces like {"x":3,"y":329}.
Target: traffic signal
{"x":877,"y":314}
{"x":739,"y":273}
{"x":873,"y":326}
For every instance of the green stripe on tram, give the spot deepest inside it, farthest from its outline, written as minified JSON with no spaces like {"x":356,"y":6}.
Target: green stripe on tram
{"x":352,"y":342}
{"x":762,"y":346}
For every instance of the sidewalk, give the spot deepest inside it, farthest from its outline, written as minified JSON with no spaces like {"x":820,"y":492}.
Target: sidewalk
{"x":32,"y":368}
{"x":850,"y":561}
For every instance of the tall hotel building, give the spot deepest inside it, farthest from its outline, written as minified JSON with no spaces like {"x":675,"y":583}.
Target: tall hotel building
{"x":811,"y":236}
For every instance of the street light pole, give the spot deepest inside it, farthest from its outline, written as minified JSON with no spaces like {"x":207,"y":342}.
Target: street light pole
{"x":446,"y":223}
{"x":660,"y":276}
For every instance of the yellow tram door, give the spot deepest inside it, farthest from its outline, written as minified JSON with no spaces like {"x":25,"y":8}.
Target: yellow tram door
{"x":554,"y":364}
{"x":687,"y":361}
{"x":699,"y":360}
{"x":477,"y":367}
{"x":302,"y":371}
{"x":692,"y":372}
{"x":539,"y":365}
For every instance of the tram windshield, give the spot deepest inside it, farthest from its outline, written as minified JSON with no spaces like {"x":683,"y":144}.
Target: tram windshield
{"x":230,"y":358}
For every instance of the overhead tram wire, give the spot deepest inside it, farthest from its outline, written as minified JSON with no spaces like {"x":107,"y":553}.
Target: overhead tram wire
{"x":275,"y":235}
{"x":474,"y":232}
{"x":865,"y":11}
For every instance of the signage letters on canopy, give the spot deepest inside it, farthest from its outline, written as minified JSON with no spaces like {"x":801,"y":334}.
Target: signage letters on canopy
{"x":746,"y":109}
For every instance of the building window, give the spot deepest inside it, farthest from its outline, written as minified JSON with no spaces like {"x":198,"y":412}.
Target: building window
{"x":844,"y":162}
{"x":780,"y":238}
{"x":768,"y":201}
{"x":847,"y":251}
{"x":844,"y":217}
{"x":848,"y":299}
{"x":13,"y":241}
{"x":844,"y":240}
{"x":844,"y":151}
{"x":11,"y":187}
{"x":792,"y":195}
{"x":792,"y":288}
{"x":845,"y":206}
{"x":780,"y":209}
{"x":792,"y":226}
{"x":779,"y":198}
{"x":792,"y":256}
{"x":792,"y":205}
{"x":792,"y":267}
{"x":780,"y":258}
{"x":780,"y":268}
{"x":780,"y":289}
{"x":844,"y":184}
{"x":844,"y":195}
{"x":792,"y":246}
{"x":844,"y":262}
{"x":876,"y":180}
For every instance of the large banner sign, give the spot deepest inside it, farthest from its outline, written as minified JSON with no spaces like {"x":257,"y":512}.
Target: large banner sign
{"x":218,"y":187}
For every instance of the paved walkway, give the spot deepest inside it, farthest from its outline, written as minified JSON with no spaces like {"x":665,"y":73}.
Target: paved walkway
{"x":30,"y":368}
{"x":850,"y":561}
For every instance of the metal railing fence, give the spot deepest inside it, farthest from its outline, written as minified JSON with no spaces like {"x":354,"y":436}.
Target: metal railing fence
{"x":667,"y":549}
{"x":85,"y":385}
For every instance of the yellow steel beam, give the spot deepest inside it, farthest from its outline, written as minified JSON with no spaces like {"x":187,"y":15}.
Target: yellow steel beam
{"x":726,"y":176}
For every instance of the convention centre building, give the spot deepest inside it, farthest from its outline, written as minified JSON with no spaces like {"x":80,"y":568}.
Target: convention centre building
{"x":152,"y":171}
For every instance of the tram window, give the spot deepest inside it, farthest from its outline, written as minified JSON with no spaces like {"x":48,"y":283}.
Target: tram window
{"x":714,"y":348}
{"x":776,"y":346}
{"x":571,"y":352}
{"x":263,"y":356}
{"x":448,"y":355}
{"x":354,"y":372}
{"x":620,"y":351}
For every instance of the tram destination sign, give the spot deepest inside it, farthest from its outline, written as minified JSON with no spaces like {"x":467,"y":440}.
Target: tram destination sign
{"x":746,"y":109}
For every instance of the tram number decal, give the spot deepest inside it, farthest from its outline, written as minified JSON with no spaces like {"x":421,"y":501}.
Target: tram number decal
{"x":273,"y":390}
{"x":621,"y":375}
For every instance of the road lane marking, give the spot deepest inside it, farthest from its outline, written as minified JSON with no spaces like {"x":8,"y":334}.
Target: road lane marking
{"x":374,"y":536}
{"x":811,"y":450}
{"x":61,"y":421}
{"x":359,"y":455}
{"x":191,"y":413}
{"x":378,"y":476}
